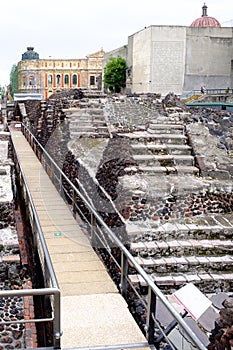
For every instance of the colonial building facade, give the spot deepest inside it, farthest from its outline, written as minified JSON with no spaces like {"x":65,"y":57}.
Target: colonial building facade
{"x":47,"y":76}
{"x":179,"y":59}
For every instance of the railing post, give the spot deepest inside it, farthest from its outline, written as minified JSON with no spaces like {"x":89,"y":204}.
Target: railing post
{"x":60,"y":183}
{"x":57,"y":322}
{"x":26,"y":200}
{"x":124,"y":275}
{"x":151,"y":316}
{"x":74,"y":197}
{"x":93,"y":231}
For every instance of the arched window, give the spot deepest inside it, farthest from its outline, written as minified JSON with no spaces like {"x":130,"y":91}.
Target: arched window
{"x":50,"y":79}
{"x":66,"y":79}
{"x":58,"y":79}
{"x":74,"y":79}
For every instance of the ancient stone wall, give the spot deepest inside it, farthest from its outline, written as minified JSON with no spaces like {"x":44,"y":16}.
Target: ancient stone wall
{"x":13,"y":262}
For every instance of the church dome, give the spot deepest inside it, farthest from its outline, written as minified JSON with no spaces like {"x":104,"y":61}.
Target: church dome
{"x":30,"y":54}
{"x":205,"y":20}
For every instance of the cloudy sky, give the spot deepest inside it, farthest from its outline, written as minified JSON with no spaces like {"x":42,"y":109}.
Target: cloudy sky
{"x":76,"y":28}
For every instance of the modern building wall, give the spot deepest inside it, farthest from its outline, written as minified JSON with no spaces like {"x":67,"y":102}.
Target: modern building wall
{"x":168,"y":59}
{"x":141,"y":70}
{"x":209,"y":57}
{"x":47,"y":76}
{"x":179,"y":59}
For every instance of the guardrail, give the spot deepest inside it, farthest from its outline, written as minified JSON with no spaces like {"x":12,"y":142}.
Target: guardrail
{"x":188,"y":94}
{"x":98,"y":227}
{"x":51,"y":288}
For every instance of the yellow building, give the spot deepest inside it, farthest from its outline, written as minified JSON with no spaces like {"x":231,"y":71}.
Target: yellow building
{"x":47,"y":76}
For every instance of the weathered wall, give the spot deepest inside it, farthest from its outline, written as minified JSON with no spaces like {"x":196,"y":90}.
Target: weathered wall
{"x":168,"y":59}
{"x":179,"y":59}
{"x":208,"y":58}
{"x":121,"y":51}
{"x":141,"y":57}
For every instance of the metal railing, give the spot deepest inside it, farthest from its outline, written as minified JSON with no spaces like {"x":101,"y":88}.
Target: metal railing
{"x":50,"y":288}
{"x":188,"y":94}
{"x":98,"y":227}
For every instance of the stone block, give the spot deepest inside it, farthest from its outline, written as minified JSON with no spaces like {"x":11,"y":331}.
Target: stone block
{"x":11,"y":258}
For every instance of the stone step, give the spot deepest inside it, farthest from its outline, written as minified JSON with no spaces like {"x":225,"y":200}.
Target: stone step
{"x":169,"y":148}
{"x":166,"y":138}
{"x":165,"y":159}
{"x":99,"y":123}
{"x":82,"y":125}
{"x":83,"y":128}
{"x":86,"y":120}
{"x":88,"y":134}
{"x":154,"y":125}
{"x":185,"y":264}
{"x":177,"y":231}
{"x":165,"y":170}
{"x":102,"y":129}
{"x":153,"y":129}
{"x":181,"y":247}
{"x":77,"y":126}
{"x":182,"y":169}
{"x":206,"y":281}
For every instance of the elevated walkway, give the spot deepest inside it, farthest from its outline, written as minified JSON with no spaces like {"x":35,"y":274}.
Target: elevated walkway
{"x":93,"y":312}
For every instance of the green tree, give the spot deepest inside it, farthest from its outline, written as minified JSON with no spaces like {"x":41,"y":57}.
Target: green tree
{"x":115,"y":74}
{"x":14,"y":80}
{"x":2,"y":92}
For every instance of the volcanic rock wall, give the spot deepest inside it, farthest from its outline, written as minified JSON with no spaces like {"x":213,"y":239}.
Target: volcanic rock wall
{"x":13,"y":263}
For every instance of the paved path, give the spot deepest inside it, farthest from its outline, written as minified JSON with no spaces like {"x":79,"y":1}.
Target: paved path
{"x":93,"y":313}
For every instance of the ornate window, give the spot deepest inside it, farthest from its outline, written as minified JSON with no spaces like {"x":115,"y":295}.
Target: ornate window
{"x":58,"y":79}
{"x":74,"y":79}
{"x":31,"y":79}
{"x":50,"y":79}
{"x":66,"y":81}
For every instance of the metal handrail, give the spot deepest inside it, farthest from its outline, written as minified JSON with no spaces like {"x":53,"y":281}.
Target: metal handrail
{"x":154,"y":291}
{"x":51,"y":279}
{"x":226,"y":91}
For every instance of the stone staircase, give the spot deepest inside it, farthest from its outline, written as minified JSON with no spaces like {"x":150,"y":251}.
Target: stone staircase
{"x":88,"y":122}
{"x":179,"y":230}
{"x":162,"y":148}
{"x":175,"y":254}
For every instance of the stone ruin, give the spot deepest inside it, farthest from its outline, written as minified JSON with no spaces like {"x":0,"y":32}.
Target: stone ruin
{"x":168,"y":171}
{"x":13,"y":269}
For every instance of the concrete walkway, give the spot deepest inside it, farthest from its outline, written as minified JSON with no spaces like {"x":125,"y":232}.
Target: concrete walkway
{"x":93,"y":313}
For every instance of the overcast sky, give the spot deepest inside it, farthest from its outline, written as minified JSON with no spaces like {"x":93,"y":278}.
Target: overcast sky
{"x":76,"y":28}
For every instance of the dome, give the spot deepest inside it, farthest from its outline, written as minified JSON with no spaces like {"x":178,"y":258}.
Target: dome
{"x":30,"y":54}
{"x":205,"y":20}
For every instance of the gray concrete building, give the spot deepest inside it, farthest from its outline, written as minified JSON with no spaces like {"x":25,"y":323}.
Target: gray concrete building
{"x":163,"y":59}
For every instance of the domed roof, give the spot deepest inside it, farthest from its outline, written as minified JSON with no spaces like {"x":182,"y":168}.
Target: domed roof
{"x":205,"y":20}
{"x":30,"y":54}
